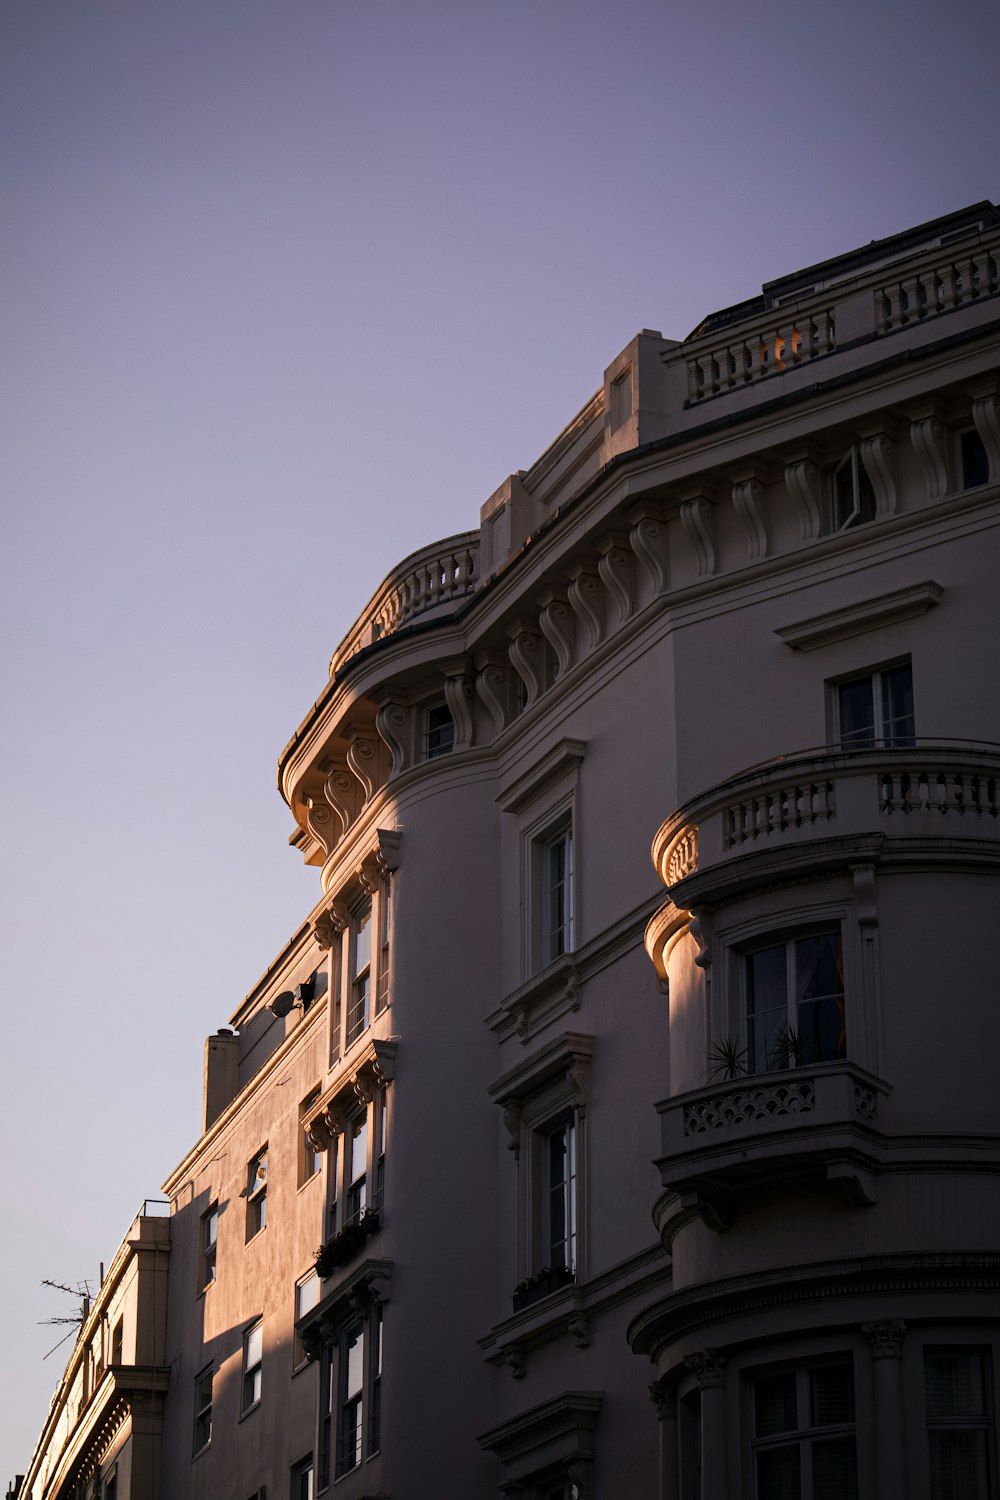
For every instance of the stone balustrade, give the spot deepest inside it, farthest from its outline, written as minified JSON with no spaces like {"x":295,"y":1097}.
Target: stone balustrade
{"x":781,"y":343}
{"x":832,"y":791}
{"x":433,"y":579}
{"x":949,"y":282}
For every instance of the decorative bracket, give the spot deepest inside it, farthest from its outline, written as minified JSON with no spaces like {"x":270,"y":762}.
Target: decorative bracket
{"x":749,"y":502}
{"x":615,"y":568}
{"x":492,"y":685}
{"x":391,"y":724}
{"x":698,"y":520}
{"x":586,"y":597}
{"x":556,"y":622}
{"x":526,"y":656}
{"x":648,"y":538}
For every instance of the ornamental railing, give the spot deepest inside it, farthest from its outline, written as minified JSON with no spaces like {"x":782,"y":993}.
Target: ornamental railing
{"x":432,"y":580}
{"x":831,"y":791}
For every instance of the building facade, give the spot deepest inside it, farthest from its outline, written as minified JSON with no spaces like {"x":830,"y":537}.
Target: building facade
{"x":522,"y":1130}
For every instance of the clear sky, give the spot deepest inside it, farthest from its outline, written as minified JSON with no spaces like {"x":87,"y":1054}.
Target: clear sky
{"x":289,"y":287}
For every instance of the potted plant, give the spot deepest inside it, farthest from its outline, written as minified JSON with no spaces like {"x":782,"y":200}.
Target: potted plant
{"x":345,"y":1244}
{"x":533,"y":1288}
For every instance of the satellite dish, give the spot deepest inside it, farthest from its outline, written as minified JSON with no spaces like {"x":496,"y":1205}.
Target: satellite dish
{"x":282,"y":1004}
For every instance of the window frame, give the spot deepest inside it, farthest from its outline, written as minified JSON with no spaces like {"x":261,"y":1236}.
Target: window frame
{"x":548,"y":942}
{"x":208,"y":1259}
{"x":807,"y":1433}
{"x":360,"y":992}
{"x":877,"y":677}
{"x":300,"y":1358}
{"x":437,"y":739}
{"x":789,"y":941}
{"x":256,"y":1193}
{"x":305,"y":1467}
{"x":351,"y":1403}
{"x":964,"y":468}
{"x":310,"y":1159}
{"x":252,"y":1372}
{"x":863,"y":495}
{"x":984,"y":1422}
{"x":201,"y":1407}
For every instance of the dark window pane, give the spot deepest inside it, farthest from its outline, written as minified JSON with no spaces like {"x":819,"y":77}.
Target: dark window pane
{"x":866,"y":495}
{"x":897,"y":705}
{"x":975,"y":464}
{"x":960,"y":1465}
{"x":857,"y":712}
{"x":835,"y":1475}
{"x":767,"y":1004}
{"x":774,"y":1404}
{"x":832,"y":1395}
{"x":778,"y":1476}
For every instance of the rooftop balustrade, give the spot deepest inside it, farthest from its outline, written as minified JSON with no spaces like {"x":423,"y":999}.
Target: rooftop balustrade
{"x":428,"y":583}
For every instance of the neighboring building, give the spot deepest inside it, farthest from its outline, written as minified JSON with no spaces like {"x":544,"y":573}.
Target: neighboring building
{"x":760,"y":1171}
{"x":102,"y":1439}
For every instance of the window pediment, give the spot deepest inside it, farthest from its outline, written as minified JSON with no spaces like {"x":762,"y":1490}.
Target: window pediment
{"x":354,"y":1085}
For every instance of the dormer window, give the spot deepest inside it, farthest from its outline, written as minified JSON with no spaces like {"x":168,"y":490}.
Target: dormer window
{"x":852,"y":498}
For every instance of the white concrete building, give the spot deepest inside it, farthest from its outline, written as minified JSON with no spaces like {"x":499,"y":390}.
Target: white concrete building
{"x":749,"y":594}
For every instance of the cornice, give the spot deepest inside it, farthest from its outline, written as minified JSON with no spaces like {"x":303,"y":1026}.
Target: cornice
{"x":856,"y":619}
{"x":736,"y":1299}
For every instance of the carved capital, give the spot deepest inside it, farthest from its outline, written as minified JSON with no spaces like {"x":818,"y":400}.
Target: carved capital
{"x":493,"y":686}
{"x":749,"y":502}
{"x":587,"y":599}
{"x":708,"y":1367}
{"x":698,"y":520}
{"x":526,"y":657}
{"x":556,"y":622}
{"x":391,"y":723}
{"x":663,"y":1394}
{"x":614,"y":566}
{"x":458,"y":695}
{"x":885,"y":1337}
{"x":931,"y":444}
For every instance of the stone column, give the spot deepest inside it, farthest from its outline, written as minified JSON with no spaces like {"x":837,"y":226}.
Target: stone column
{"x":709,"y":1368}
{"x":886,"y":1341}
{"x":664,"y":1396}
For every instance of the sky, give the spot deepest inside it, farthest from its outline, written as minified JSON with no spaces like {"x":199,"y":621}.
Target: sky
{"x":288,"y":288}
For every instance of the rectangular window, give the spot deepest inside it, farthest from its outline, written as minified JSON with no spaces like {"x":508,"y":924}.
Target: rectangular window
{"x":253,"y":1357}
{"x":333,"y":1174}
{"x":877,"y":709}
{"x":361,"y":959}
{"x":326,"y":1398}
{"x":118,"y":1342}
{"x":803,"y":1442}
{"x":336,"y":989}
{"x":209,"y":1240}
{"x":795,"y":1003}
{"x":110,"y":1491}
{"x":382,"y":996}
{"x":556,"y":851}
{"x":381,"y":1116}
{"x":851,"y":497}
{"x":203,"y":1409}
{"x":357,"y":1169}
{"x":302,"y":1480}
{"x":975,"y":462}
{"x":257,"y":1194}
{"x":959,"y":1423}
{"x":439,"y":731}
{"x":309,"y":1157}
{"x":350,"y":1424}
{"x":375,"y":1382}
{"x":306,"y":1298}
{"x":560,"y":1196}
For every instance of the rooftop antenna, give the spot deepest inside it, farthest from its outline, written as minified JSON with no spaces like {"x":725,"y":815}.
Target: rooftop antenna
{"x":81,"y":1290}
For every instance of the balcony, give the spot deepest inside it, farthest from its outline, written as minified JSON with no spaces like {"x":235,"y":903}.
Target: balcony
{"x":824,"y":1122}
{"x":428,"y":584}
{"x":827,"y":806}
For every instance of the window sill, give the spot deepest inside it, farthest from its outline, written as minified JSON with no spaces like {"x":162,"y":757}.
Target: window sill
{"x":202,"y":1450}
{"x":249,"y":1411}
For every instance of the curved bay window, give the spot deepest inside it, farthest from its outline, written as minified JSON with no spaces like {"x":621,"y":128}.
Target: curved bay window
{"x":795,"y":1003}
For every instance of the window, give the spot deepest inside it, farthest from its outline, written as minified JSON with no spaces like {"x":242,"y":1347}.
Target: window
{"x":302,"y":1480}
{"x":336,"y":1004}
{"x":381,"y":1120}
{"x":209,"y":1241}
{"x":959,"y":1423}
{"x":375,"y":1383}
{"x":802,"y":1428}
{"x":975,"y":462}
{"x":439,"y":731}
{"x":382,"y":995}
{"x":110,"y":1489}
{"x":877,"y":709}
{"x":361,"y":959}
{"x":203,"y":1409}
{"x":357,"y":1168}
{"x":308,"y":1155}
{"x":559,"y":1191}
{"x":253,"y":1356}
{"x":795,"y":1003}
{"x":306,"y":1298}
{"x":556,"y":859}
{"x":852,"y":499}
{"x":118,"y":1342}
{"x":333,"y":1176}
{"x":326,"y":1399}
{"x":350,"y":1419}
{"x":257,"y":1194}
